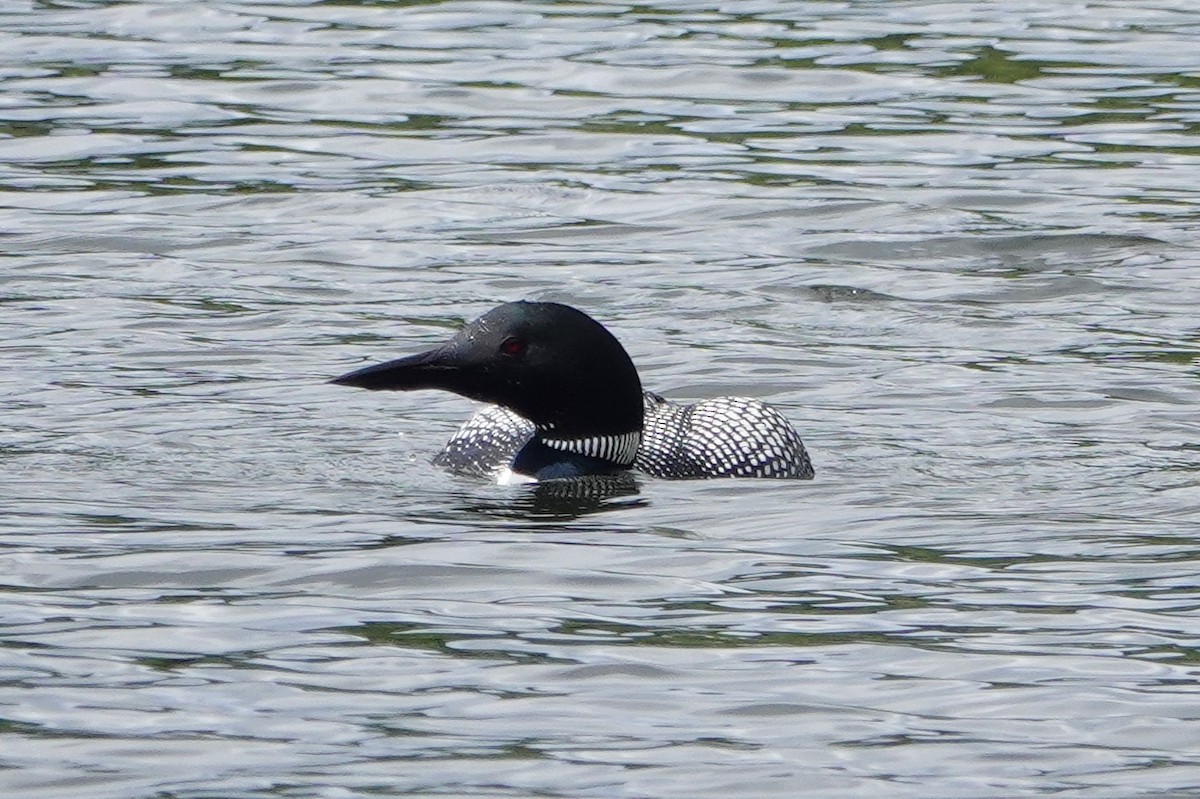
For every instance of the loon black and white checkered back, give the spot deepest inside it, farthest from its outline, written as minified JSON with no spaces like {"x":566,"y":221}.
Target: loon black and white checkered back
{"x":720,"y":437}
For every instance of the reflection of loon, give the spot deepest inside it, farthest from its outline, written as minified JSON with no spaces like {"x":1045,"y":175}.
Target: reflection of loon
{"x":568,"y":403}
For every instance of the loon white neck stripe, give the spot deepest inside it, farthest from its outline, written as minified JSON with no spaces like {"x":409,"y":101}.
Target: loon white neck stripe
{"x":620,"y":448}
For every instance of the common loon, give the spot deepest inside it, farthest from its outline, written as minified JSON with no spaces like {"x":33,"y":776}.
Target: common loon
{"x":567,"y":402}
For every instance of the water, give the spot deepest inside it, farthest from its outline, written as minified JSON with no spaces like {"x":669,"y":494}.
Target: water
{"x":954,"y":242}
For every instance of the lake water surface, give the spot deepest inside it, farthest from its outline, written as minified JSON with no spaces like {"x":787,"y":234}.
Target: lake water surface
{"x":956,"y":243}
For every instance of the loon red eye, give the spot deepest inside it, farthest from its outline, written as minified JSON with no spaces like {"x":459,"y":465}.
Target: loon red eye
{"x":512,"y":346}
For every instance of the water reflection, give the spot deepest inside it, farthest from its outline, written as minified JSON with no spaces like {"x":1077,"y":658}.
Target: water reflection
{"x":559,"y":500}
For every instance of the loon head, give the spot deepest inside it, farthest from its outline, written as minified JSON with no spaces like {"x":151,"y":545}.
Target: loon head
{"x":551,"y":363}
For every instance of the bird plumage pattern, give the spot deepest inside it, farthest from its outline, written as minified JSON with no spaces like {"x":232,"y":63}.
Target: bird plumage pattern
{"x":720,"y":437}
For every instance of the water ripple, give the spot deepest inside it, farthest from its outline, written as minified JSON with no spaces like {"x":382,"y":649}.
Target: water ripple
{"x":954,"y":243}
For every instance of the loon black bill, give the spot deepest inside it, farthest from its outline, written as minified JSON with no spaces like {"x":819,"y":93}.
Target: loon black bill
{"x":425,"y":370}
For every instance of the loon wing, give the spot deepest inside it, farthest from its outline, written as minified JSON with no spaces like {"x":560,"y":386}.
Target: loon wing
{"x":721,"y":437}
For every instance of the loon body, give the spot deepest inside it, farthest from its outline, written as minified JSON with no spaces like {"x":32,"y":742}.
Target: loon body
{"x":566,"y":401}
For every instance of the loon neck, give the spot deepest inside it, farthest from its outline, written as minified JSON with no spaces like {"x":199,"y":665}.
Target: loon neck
{"x":550,"y":457}
{"x":620,"y":449}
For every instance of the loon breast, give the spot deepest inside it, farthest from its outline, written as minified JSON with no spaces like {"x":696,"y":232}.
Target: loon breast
{"x":721,"y":437}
